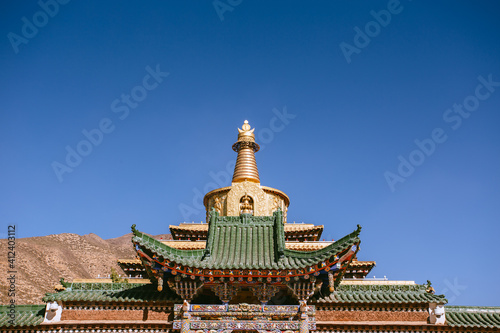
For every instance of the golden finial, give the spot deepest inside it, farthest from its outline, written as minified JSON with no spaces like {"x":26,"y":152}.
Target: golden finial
{"x":246,"y":167}
{"x":246,"y":126}
{"x":245,"y":133}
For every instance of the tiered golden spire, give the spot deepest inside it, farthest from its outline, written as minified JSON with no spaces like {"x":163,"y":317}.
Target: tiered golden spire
{"x":246,"y":195}
{"x":246,"y":167}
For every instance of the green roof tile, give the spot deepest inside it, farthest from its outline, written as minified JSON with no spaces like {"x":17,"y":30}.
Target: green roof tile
{"x":26,"y":315}
{"x":395,"y":294}
{"x":244,"y":242}
{"x":473,"y":317}
{"x":111,"y":292}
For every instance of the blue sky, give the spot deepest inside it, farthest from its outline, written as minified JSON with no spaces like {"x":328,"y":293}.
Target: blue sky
{"x":339,"y":94}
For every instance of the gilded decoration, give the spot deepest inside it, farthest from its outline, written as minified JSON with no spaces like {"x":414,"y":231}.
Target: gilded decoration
{"x":246,"y":167}
{"x":236,"y":309}
{"x":216,"y":199}
{"x":229,"y":317}
{"x":276,"y":199}
{"x":246,"y":181}
{"x":277,"y":204}
{"x":239,"y":190}
{"x":270,"y":200}
{"x":246,"y":205}
{"x":245,"y":325}
{"x":218,"y":205}
{"x":246,"y":133}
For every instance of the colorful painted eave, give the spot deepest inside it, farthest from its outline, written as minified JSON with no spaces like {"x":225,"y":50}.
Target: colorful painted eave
{"x":246,"y":246}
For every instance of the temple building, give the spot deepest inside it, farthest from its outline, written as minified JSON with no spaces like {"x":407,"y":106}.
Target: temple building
{"x":247,"y":269}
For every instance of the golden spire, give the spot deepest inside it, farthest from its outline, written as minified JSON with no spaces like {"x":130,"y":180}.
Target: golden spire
{"x":246,"y":167}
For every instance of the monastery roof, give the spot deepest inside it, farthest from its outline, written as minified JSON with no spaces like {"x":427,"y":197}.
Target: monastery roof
{"x":109,"y":280}
{"x":473,"y":316}
{"x":198,"y":245}
{"x":400,"y":292}
{"x":354,"y":292}
{"x":357,"y":263}
{"x":380,"y":293}
{"x":111,"y":292}
{"x":245,"y":243}
{"x":26,"y":315}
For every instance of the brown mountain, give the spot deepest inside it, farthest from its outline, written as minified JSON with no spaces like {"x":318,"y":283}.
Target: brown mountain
{"x":42,"y":261}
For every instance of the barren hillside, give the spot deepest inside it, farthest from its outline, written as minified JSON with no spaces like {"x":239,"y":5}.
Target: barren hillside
{"x":42,"y":261}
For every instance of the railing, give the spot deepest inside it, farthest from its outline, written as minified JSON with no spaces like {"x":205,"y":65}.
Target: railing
{"x":367,"y":279}
{"x":120,"y":276}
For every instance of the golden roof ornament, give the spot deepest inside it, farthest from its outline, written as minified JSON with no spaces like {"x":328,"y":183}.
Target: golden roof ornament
{"x":245,"y":133}
{"x":246,"y":195}
{"x":246,"y":166}
{"x":246,"y":206}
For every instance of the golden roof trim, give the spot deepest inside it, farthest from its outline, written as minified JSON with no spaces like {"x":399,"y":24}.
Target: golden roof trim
{"x":358,"y":263}
{"x":129,"y":261}
{"x":192,"y":227}
{"x":289,"y":227}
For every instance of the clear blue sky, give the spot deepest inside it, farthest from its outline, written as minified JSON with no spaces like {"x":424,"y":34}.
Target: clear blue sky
{"x":358,"y":87}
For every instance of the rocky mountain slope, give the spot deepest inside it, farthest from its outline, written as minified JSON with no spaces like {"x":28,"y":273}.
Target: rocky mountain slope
{"x":42,"y":261}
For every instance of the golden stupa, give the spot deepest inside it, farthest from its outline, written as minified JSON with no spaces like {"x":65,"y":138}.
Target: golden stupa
{"x":246,"y":195}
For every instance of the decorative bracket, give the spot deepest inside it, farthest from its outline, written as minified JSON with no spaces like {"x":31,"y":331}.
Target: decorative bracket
{"x":225,"y":291}
{"x":264,"y":292}
{"x":302,"y":290}
{"x":185,"y":289}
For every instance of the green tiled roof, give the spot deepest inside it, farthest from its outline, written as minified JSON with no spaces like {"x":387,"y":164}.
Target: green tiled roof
{"x":473,"y":317}
{"x":244,"y":242}
{"x":26,"y":315}
{"x":111,"y":292}
{"x":399,"y":294}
